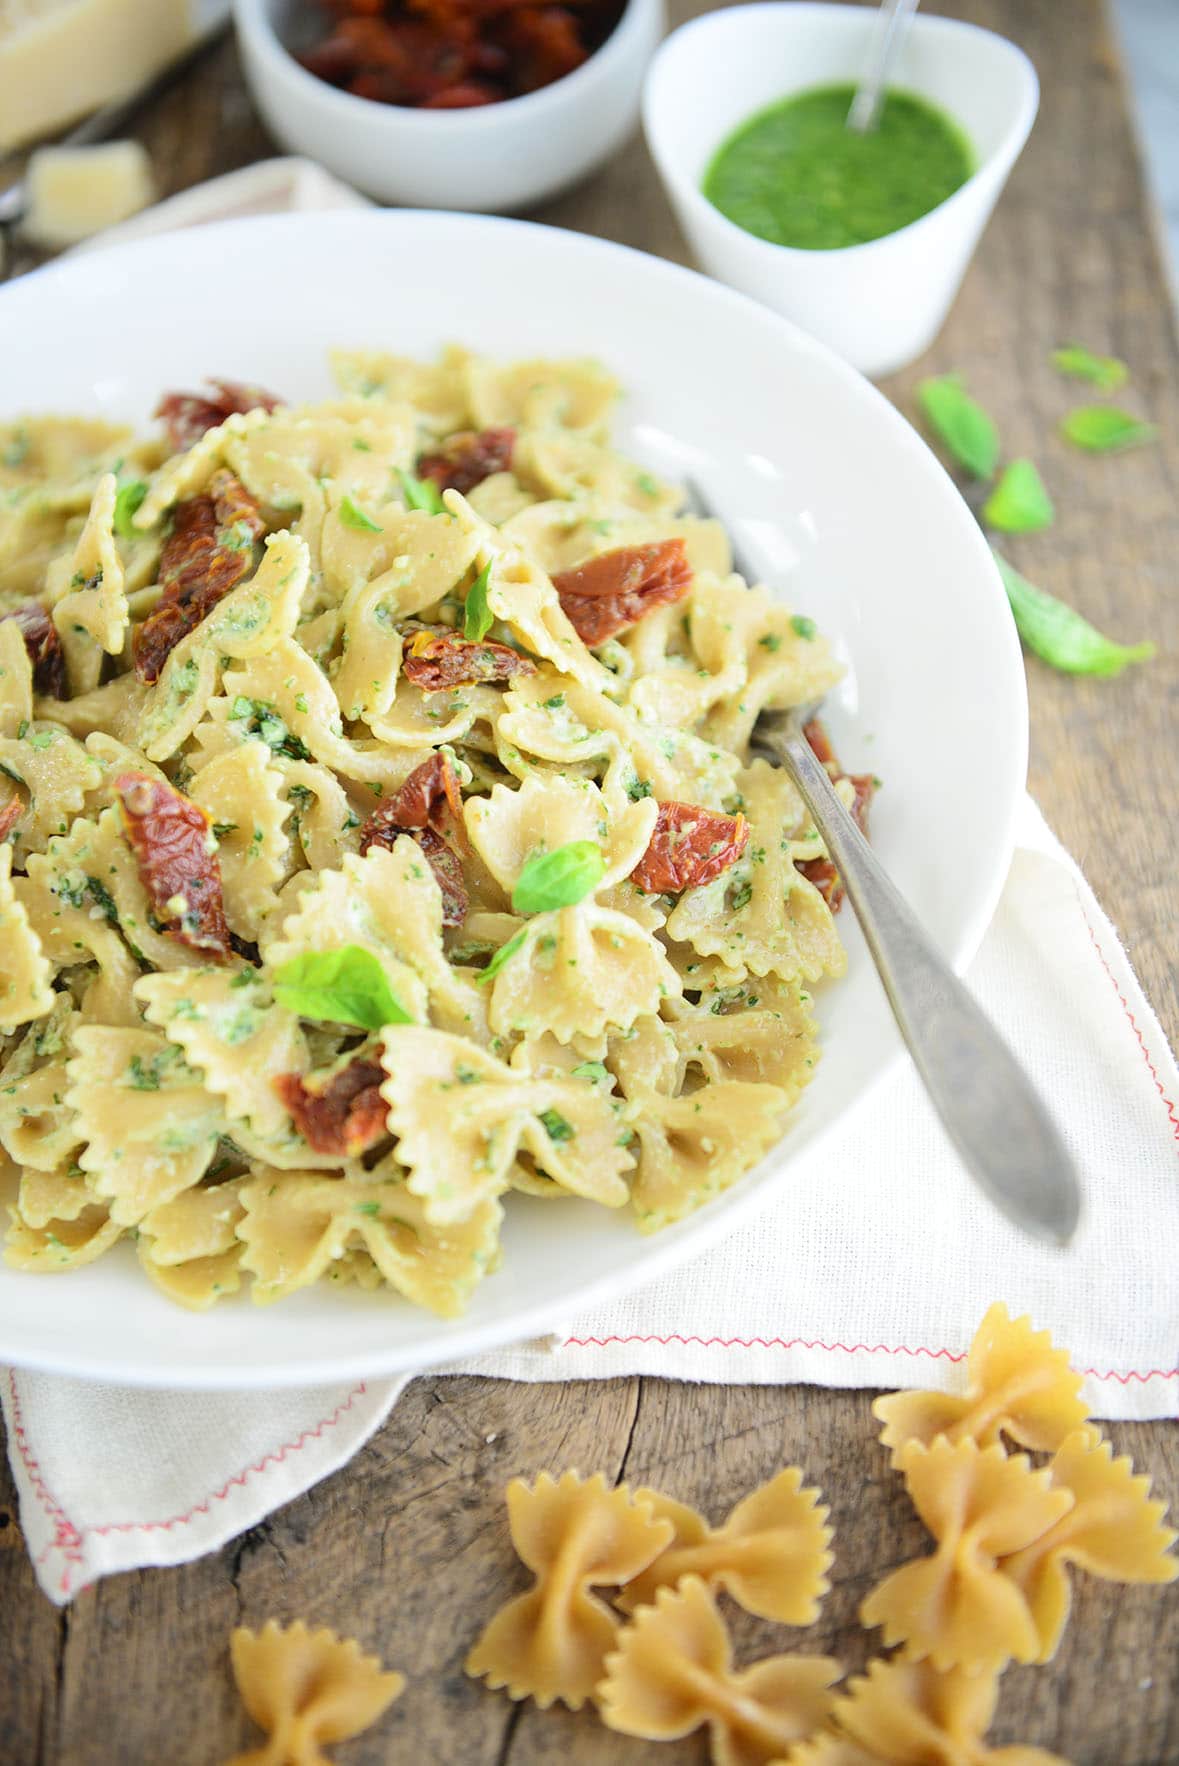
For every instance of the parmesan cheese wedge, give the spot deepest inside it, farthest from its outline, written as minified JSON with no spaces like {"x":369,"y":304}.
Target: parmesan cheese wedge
{"x":60,"y":59}
{"x":76,"y":191}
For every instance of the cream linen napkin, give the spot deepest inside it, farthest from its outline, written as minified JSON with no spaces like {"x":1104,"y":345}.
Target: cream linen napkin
{"x":872,"y":1269}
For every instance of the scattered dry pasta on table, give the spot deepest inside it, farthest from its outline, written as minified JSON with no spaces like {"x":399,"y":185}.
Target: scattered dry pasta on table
{"x":381,"y":836}
{"x":658,"y":1660}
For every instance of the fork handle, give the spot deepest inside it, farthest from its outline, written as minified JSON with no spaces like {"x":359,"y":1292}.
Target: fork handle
{"x":988,"y":1106}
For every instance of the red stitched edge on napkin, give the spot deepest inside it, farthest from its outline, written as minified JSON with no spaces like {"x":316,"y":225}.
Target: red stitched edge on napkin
{"x":69,"y":1541}
{"x":1123,"y":1379}
{"x":1133,"y":1022}
{"x":66,"y":1537}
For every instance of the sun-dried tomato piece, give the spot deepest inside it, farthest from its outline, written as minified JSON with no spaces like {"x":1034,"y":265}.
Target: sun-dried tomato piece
{"x":821,"y":871}
{"x":614,"y":590}
{"x":430,"y":790}
{"x":175,"y":851}
{"x":10,"y":815}
{"x":815,"y":732}
{"x":187,"y":415}
{"x":469,"y":457}
{"x":689,"y":847}
{"x":463,"y":95}
{"x":420,"y":809}
{"x":436,"y":657}
{"x":208,"y":552}
{"x":347,"y":1116}
{"x":543,"y":44}
{"x":447,"y":867}
{"x":44,"y":647}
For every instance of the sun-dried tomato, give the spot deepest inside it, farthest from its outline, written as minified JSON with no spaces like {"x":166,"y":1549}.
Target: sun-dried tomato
{"x":689,"y":847}
{"x":420,"y":809}
{"x":450,"y":54}
{"x":447,"y":867}
{"x":422,"y":802}
{"x":44,"y":647}
{"x":821,"y":871}
{"x":435,"y":658}
{"x":10,"y":815}
{"x":463,"y":95}
{"x":175,"y":851}
{"x":347,"y":1116}
{"x":208,"y":552}
{"x":543,"y":44}
{"x":187,"y":415}
{"x":467,"y":458}
{"x":614,"y":590}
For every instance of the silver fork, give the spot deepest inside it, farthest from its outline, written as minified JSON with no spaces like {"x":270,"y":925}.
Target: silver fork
{"x":988,"y":1106}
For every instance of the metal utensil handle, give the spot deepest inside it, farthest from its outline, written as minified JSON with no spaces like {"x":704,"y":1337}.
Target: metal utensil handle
{"x":865,"y":106}
{"x":987,"y":1105}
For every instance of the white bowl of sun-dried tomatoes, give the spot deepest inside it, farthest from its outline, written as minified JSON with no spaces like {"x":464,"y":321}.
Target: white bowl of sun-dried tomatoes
{"x":446,"y":103}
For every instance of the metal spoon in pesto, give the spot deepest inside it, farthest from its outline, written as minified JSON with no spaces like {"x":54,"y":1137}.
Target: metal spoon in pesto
{"x":865,"y":109}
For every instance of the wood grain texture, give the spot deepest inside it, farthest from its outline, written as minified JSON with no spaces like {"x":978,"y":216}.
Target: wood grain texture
{"x":407,"y":1547}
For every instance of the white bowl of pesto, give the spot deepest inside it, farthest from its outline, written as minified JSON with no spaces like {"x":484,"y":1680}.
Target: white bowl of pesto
{"x":801,"y":216}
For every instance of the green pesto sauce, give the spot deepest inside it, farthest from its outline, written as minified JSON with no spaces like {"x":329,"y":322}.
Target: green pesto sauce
{"x":796,"y":175}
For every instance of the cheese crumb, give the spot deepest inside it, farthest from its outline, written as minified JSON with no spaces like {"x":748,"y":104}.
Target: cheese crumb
{"x":77,"y":191}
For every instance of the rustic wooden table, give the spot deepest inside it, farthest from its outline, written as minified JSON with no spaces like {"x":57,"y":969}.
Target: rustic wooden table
{"x":407,"y":1546}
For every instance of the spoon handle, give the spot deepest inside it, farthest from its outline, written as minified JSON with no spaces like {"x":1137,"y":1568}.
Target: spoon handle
{"x":988,"y":1107}
{"x":865,"y":106}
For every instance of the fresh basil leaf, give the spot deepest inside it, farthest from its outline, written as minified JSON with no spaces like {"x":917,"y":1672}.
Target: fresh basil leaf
{"x":1059,"y":635}
{"x":1104,"y":372}
{"x":1103,"y":429}
{"x":559,"y":879}
{"x":595,"y":1071}
{"x":962,"y":424}
{"x":344,"y":986}
{"x":352,"y":515}
{"x":501,"y":956}
{"x":421,"y":493}
{"x":557,"y":1127}
{"x":128,"y":498}
{"x":477,"y":615}
{"x":1019,"y":502}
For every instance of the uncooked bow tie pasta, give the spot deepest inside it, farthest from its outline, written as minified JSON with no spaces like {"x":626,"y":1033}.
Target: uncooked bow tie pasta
{"x":379,"y":834}
{"x":957,"y":1607}
{"x":551,"y":1643}
{"x":1019,"y":1386}
{"x":305,"y":1688}
{"x":906,"y":1713}
{"x":771,"y":1555}
{"x":672,"y":1672}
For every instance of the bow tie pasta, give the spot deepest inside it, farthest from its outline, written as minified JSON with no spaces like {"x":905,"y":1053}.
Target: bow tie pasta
{"x":380,"y":838}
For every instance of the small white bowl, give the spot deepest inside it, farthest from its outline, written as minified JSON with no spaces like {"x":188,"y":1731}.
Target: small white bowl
{"x":879,"y":304}
{"x":492,"y":158}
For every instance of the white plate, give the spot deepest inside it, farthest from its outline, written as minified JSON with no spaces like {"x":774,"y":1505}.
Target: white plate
{"x":845,"y":507}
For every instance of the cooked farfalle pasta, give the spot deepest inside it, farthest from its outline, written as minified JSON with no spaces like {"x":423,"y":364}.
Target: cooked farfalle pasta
{"x":574,"y":1535}
{"x":1018,"y":1386}
{"x":672,"y":1672}
{"x":379,"y":834}
{"x":306,"y":1688}
{"x":906,"y":1713}
{"x":771,"y":1554}
{"x":958,"y":1607}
